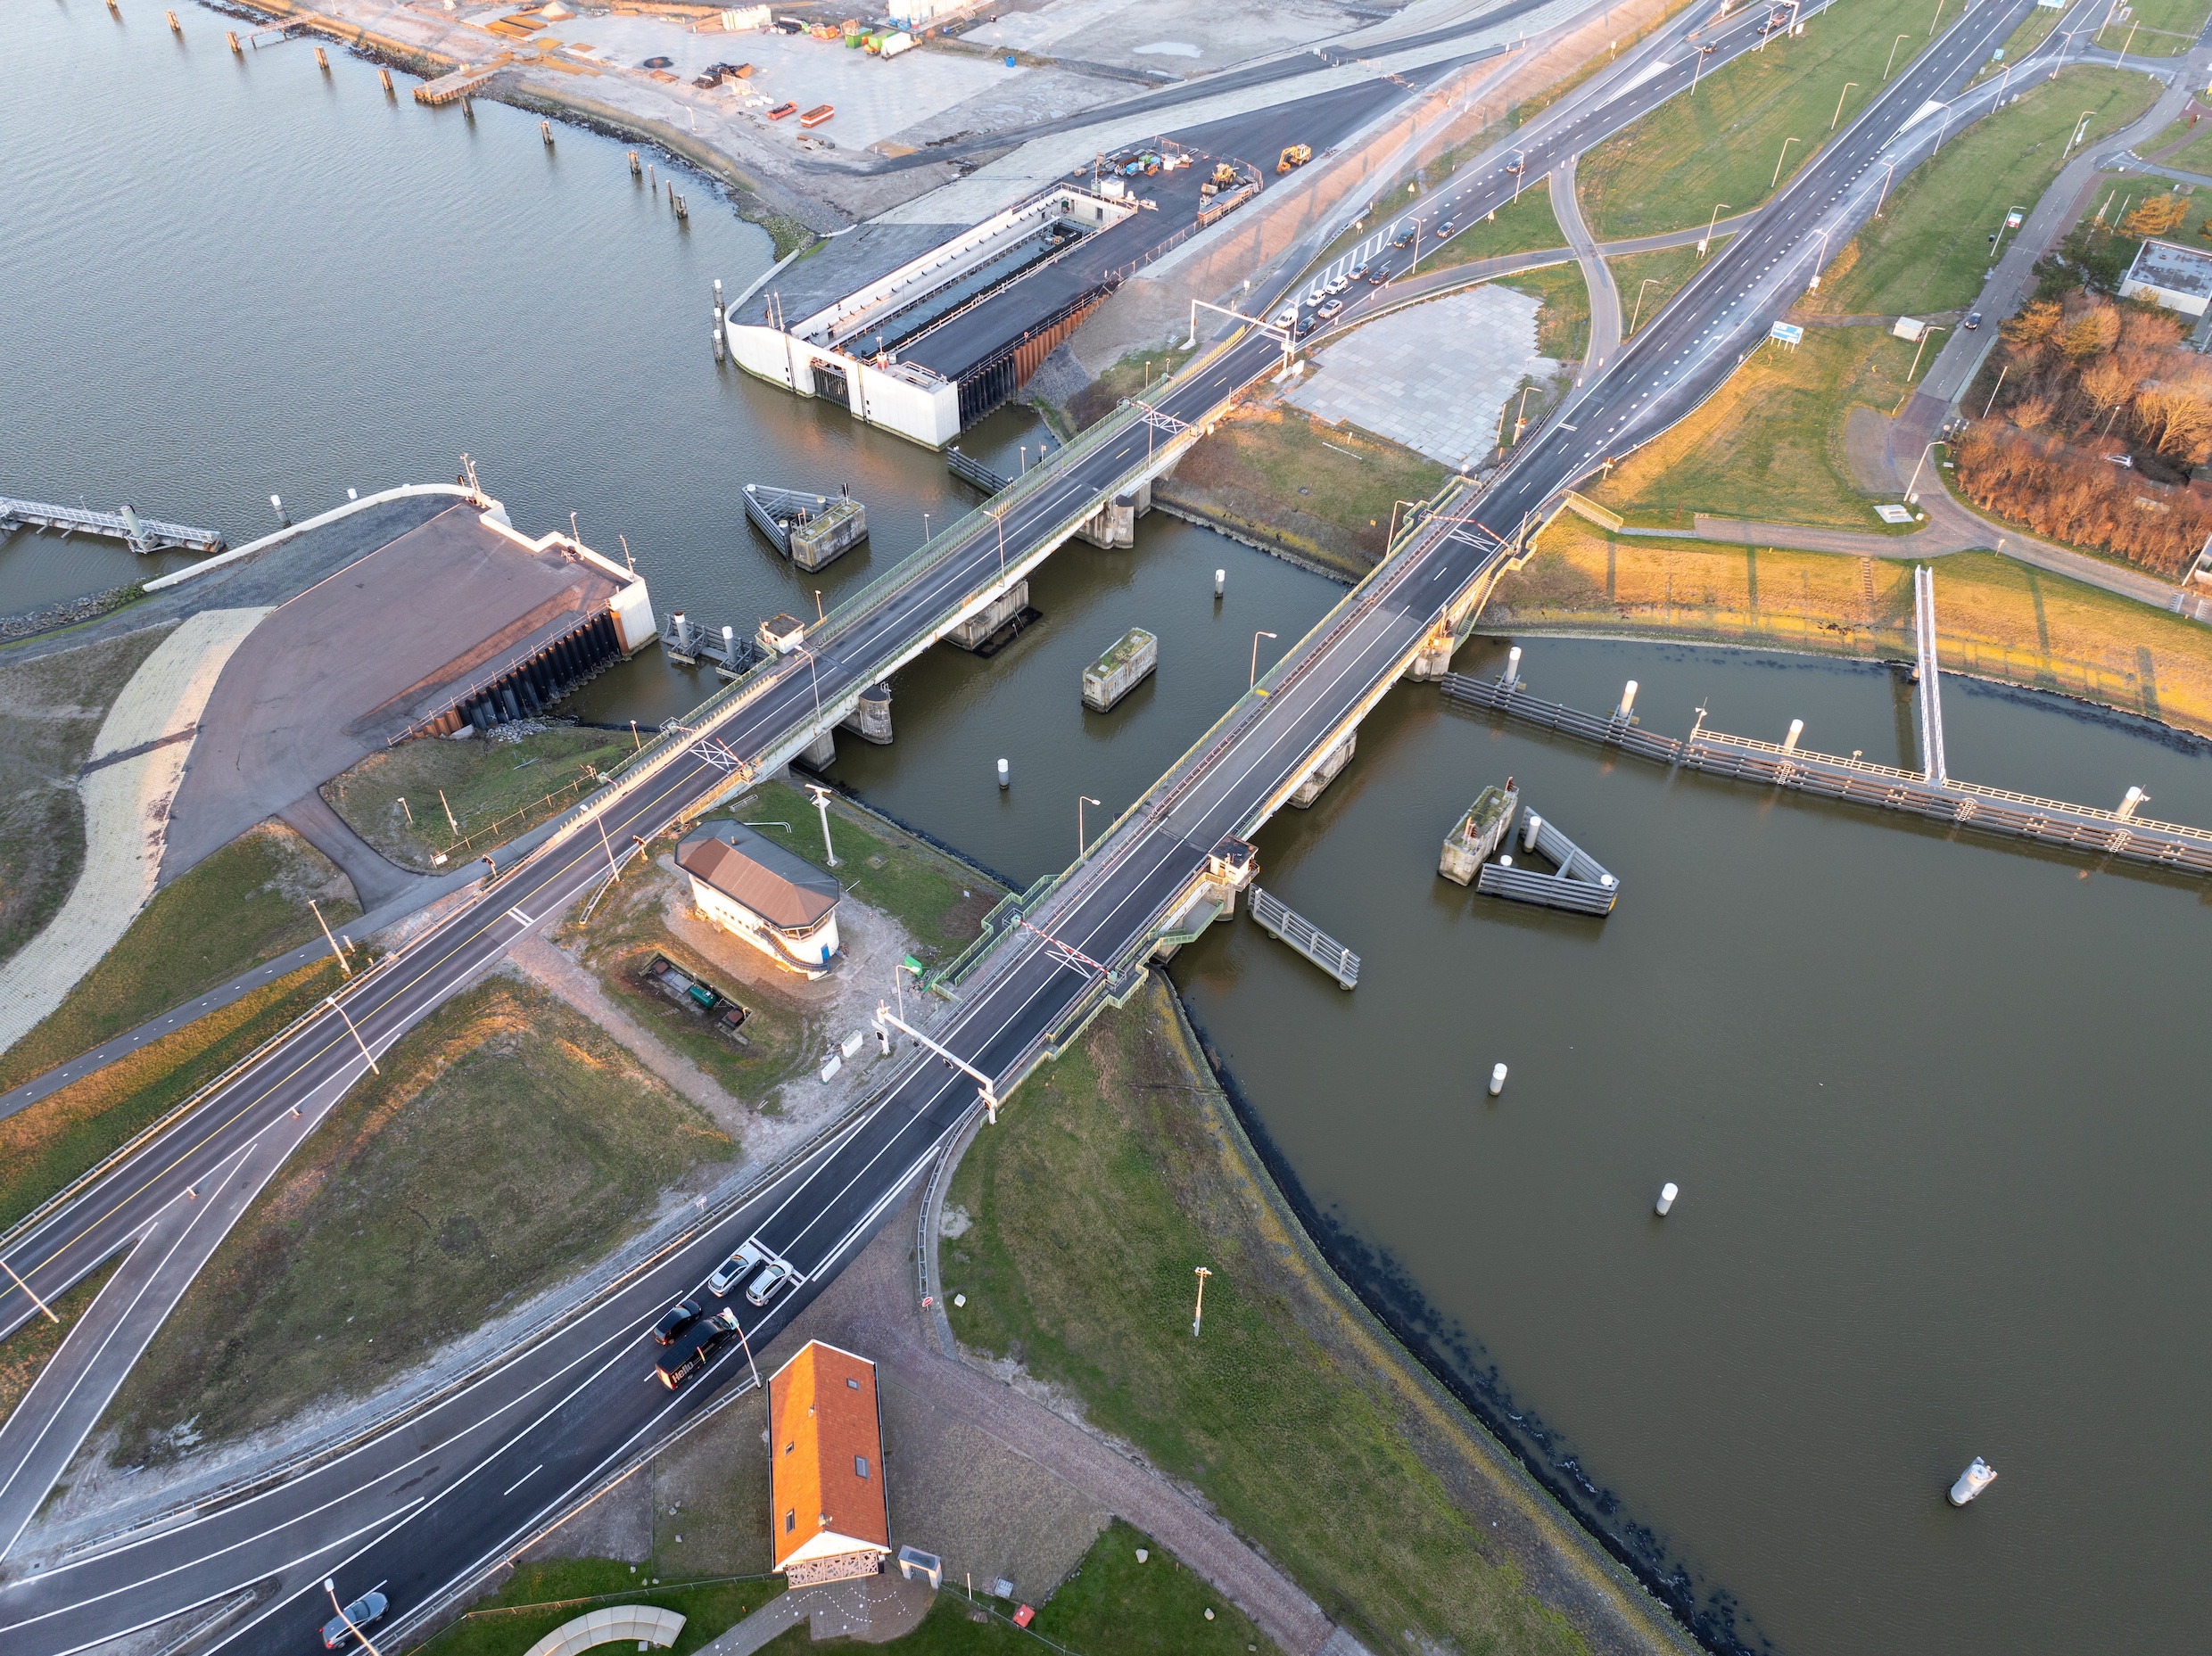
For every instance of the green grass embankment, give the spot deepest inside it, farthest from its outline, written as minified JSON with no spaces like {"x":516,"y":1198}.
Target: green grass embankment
{"x":495,"y":790}
{"x":1646,"y":281}
{"x":246,"y":904}
{"x":2154,"y":27}
{"x":506,"y":1143}
{"x":1115,"y":1171}
{"x":1666,"y":170}
{"x":1928,"y":251}
{"x":1528,"y":226}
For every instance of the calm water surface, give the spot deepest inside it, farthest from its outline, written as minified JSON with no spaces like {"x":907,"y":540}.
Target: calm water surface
{"x":1941,"y":1151}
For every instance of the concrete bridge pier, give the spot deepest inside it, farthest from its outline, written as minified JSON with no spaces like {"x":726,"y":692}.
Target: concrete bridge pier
{"x":972,"y":633}
{"x":822,"y":753}
{"x":1326,"y":773}
{"x":870,"y":719}
{"x":1114,"y":525}
{"x":1432,"y":658}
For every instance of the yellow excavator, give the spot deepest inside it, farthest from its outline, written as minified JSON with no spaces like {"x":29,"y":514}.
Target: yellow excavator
{"x":1296,"y":155}
{"x":1224,"y":175}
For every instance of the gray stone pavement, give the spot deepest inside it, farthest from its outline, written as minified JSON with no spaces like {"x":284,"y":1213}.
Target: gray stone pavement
{"x":1435,"y":378}
{"x":874,"y":1609}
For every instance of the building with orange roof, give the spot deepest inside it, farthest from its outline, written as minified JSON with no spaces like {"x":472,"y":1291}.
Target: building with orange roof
{"x":830,"y":1520}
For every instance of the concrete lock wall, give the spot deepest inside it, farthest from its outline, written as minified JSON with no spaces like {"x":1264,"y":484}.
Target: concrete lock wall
{"x":927,"y":414}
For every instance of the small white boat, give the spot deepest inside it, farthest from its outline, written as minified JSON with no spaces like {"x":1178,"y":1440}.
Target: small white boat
{"x":1972,"y":1481}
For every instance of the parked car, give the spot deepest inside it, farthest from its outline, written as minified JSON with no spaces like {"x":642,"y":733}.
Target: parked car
{"x":696,"y":1347}
{"x":677,"y":1318}
{"x":364,"y":1611}
{"x":1332,"y":310}
{"x":1973,"y":320}
{"x":770,"y":1282}
{"x":734,"y":1270}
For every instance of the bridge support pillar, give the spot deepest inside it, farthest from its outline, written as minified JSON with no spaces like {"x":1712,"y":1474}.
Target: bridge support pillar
{"x":1326,"y":773}
{"x":1114,"y":525}
{"x":870,"y":720}
{"x":1432,"y":660}
{"x":822,"y":751}
{"x":977,"y":629}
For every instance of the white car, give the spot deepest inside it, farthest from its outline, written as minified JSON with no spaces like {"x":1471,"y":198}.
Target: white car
{"x":1286,"y":315}
{"x":1313,"y":296}
{"x":734,"y":1270}
{"x":1340,"y":285}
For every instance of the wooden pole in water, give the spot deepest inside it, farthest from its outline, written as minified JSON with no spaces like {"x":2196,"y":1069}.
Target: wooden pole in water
{"x":321,"y":62}
{"x":545,"y":131}
{"x":636,"y":172}
{"x":385,"y":75}
{"x":230,"y":39}
{"x":174,"y":27}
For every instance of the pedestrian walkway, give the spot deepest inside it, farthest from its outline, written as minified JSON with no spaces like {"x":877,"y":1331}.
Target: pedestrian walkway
{"x":874,"y":1609}
{"x":1604,"y":296}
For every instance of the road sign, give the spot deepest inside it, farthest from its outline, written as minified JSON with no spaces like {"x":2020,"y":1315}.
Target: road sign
{"x":1788,"y":332}
{"x":2012,"y":220}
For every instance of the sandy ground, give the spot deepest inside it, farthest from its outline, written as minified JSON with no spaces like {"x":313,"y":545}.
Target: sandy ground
{"x":126,"y":801}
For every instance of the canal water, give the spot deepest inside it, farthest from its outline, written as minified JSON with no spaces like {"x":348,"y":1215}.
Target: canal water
{"x":1940,"y":1150}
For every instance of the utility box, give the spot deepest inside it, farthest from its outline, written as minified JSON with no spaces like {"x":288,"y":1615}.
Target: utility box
{"x":1120,"y":670}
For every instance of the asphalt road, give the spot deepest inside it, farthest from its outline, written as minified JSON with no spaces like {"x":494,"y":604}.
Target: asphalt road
{"x":414,"y":1509}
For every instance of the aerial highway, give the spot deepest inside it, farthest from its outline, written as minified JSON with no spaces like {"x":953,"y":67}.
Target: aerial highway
{"x":423,"y":1506}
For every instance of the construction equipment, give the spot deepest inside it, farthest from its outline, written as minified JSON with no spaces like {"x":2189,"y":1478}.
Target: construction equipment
{"x":1225,"y":174}
{"x":1295,"y":156}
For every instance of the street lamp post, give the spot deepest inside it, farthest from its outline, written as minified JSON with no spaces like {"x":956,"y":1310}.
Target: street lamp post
{"x":1702,"y":53}
{"x":1632,"y":321}
{"x":1199,"y":1315}
{"x":1813,"y":286}
{"x":1778,"y":163}
{"x":999,"y":517}
{"x":332,"y":1002}
{"x":331,"y":1587}
{"x":1520,"y":171}
{"x":1710,"y":223}
{"x":1887,"y":168}
{"x":1916,"y":350}
{"x":820,"y":797}
{"x":1082,"y":842}
{"x":1914,"y":483}
{"x":1936,"y":20}
{"x":1893,"y":55}
{"x":2080,"y":132}
{"x":1256,"y":639}
{"x":1840,"y":96}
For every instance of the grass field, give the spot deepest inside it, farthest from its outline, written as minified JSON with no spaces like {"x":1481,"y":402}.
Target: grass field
{"x":1563,"y":326}
{"x":1528,"y":226}
{"x":1999,"y":618}
{"x":1768,"y":445}
{"x":25,"y":1352}
{"x":495,"y":789}
{"x":2034,"y":30}
{"x":1666,"y":271}
{"x":1108,"y":1178}
{"x":1928,"y":251}
{"x":1665,"y":171}
{"x":2195,"y":156}
{"x":508,"y":1143}
{"x":2154,"y":27}
{"x":51,"y":709}
{"x":1111,"y":1606}
{"x":246,"y":904}
{"x":45,"y":1146}
{"x":1324,"y":491}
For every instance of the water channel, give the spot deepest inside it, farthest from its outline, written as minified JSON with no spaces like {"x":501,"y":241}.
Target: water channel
{"x":1927,"y":1099}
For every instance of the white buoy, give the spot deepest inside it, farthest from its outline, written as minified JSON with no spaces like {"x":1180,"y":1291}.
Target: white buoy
{"x":1797,"y":730}
{"x":1221,"y":580}
{"x":1512,"y":666}
{"x":1531,"y":824}
{"x":1497,"y":1079}
{"x":1005,"y":774}
{"x":1667,"y":1193}
{"x":1504,"y":862}
{"x":1972,"y":1481}
{"x":1628,"y":700}
{"x":353,"y":494}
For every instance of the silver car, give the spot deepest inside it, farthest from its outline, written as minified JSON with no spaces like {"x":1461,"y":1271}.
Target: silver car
{"x":773,"y":1280}
{"x":734,"y":1270}
{"x":366,"y":1609}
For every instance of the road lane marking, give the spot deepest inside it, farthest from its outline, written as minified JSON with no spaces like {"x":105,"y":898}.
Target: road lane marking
{"x":525,"y":1479}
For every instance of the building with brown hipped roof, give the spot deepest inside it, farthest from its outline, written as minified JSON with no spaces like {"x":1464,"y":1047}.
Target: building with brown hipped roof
{"x":830,"y":1520}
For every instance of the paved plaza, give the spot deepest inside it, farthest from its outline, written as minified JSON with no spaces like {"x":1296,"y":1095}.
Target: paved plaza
{"x":1435,"y":376}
